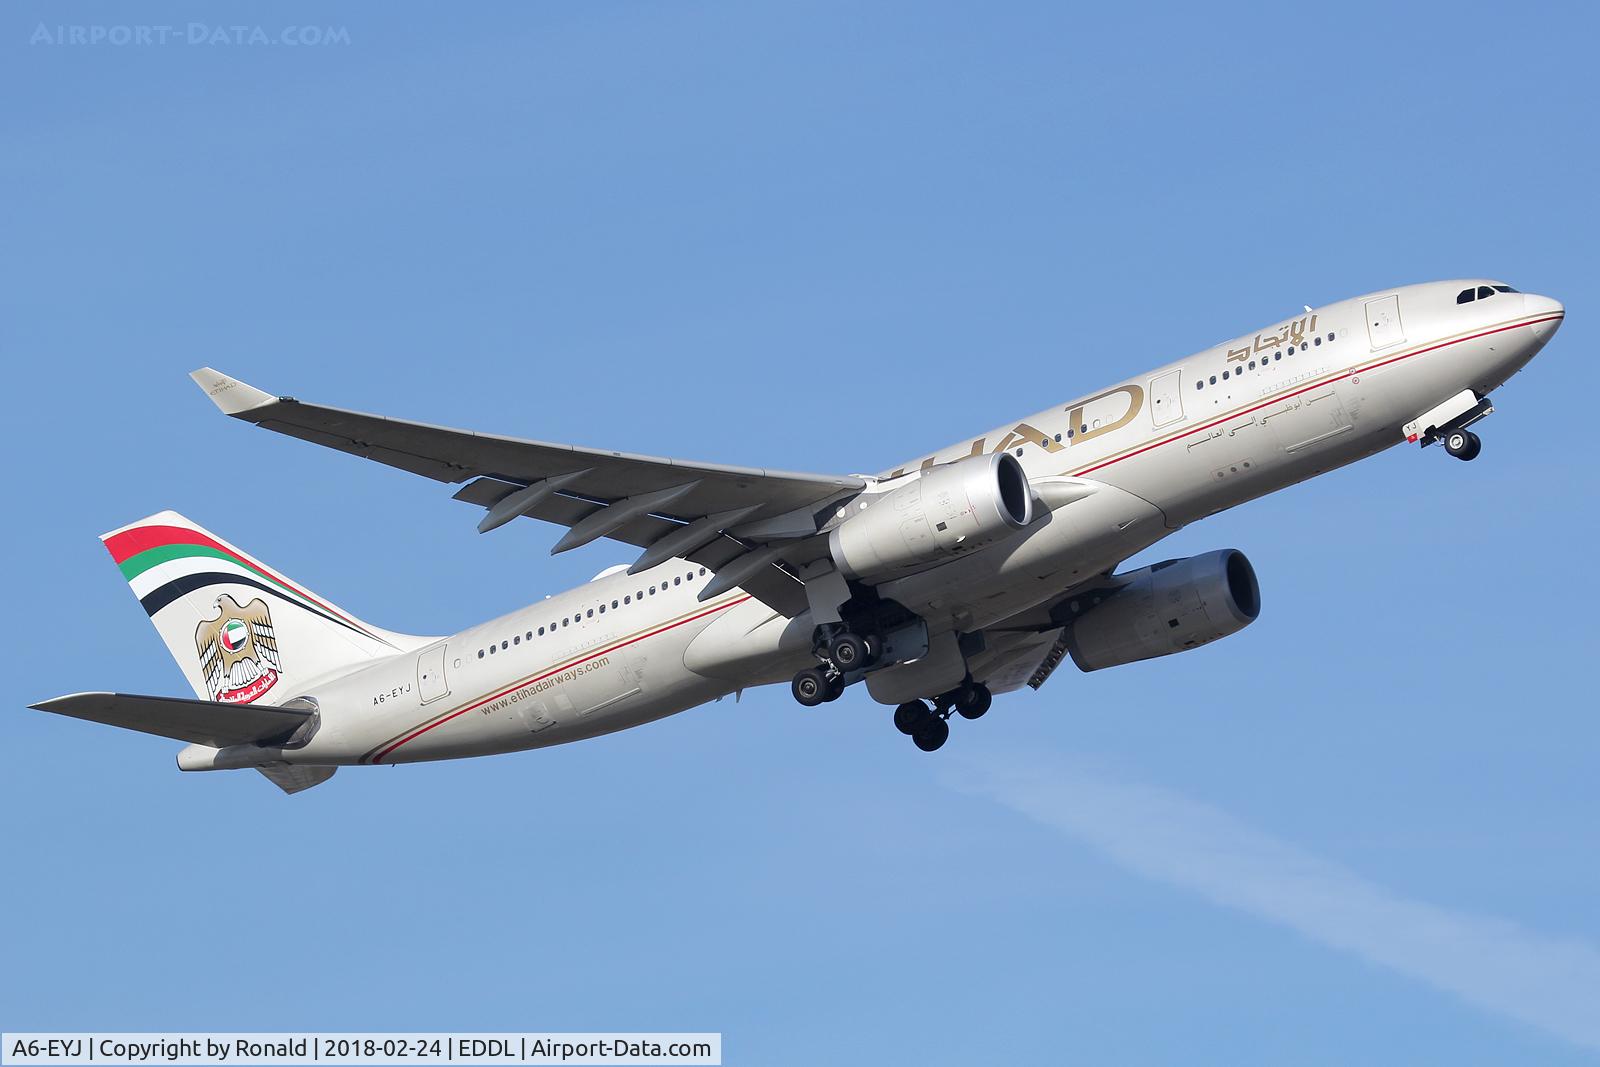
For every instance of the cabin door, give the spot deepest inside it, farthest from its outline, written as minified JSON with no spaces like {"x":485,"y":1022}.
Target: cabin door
{"x":431,"y":681}
{"x":1166,"y":399}
{"x":1383,"y":322}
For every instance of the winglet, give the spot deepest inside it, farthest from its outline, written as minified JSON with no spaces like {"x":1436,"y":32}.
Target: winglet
{"x":229,"y":394}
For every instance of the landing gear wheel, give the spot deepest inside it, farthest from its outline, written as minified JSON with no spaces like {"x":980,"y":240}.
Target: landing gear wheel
{"x":848,"y":652}
{"x":1463,"y":444}
{"x":931,"y":734}
{"x":810,"y":687}
{"x":972,"y":700}
{"x":910,"y":715}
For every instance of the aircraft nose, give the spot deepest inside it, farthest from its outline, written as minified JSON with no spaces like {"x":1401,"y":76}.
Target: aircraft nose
{"x":1547,"y":308}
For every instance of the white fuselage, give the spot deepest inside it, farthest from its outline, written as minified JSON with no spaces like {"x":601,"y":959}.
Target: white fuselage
{"x":1301,"y":397}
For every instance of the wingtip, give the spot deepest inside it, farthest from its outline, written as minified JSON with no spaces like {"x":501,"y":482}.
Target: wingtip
{"x":231,"y":396}
{"x":57,"y":703}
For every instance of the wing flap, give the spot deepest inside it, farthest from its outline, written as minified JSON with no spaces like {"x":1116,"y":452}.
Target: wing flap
{"x":203,"y":722}
{"x":296,"y":777}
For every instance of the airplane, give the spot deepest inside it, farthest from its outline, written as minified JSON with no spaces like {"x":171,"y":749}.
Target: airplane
{"x":966,"y":573}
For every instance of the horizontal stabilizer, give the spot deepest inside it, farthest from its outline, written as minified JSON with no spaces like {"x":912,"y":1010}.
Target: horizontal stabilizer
{"x":203,"y":722}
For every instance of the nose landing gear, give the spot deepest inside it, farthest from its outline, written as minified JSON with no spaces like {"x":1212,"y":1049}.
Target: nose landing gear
{"x":1448,"y":422}
{"x":1463,"y":444}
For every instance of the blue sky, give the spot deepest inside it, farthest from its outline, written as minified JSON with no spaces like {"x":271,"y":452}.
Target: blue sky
{"x":816,"y":237}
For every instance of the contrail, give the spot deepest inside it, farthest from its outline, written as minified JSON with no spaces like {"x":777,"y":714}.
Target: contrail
{"x":1547,"y":982}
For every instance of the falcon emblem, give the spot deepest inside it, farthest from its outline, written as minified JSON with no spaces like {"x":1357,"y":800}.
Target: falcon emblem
{"x":238,"y":651}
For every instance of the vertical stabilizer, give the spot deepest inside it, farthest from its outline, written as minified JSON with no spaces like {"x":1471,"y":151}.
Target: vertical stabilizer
{"x":240,"y":631}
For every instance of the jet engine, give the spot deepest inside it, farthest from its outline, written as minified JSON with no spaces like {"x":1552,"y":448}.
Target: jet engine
{"x":1169,"y":607}
{"x":949,"y":509}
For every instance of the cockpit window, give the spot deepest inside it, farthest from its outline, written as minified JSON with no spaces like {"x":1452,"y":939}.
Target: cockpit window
{"x":1482,"y":292}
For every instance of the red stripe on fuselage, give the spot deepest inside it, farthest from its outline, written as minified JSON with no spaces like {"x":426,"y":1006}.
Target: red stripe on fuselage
{"x":568,"y":665}
{"x":1306,"y":389}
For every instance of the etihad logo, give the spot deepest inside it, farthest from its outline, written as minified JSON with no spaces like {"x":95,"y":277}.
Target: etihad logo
{"x":1290,"y":333}
{"x":1086,"y":419}
{"x":238,"y":651}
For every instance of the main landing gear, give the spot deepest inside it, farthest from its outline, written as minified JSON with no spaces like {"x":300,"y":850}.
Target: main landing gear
{"x":929,"y":727}
{"x":1463,"y":444}
{"x":814,"y":686}
{"x":842,"y":654}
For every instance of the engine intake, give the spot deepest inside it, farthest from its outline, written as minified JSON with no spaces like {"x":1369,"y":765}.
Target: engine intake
{"x":947,"y":510}
{"x":1169,"y":607}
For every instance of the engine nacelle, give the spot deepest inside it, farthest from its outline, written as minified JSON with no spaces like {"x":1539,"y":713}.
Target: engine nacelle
{"x":947,"y":510}
{"x":1166,"y":608}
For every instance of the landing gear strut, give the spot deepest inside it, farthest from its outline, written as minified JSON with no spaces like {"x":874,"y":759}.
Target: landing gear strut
{"x":814,"y":686}
{"x":929,"y":727}
{"x":972,"y":700}
{"x":839,"y":655}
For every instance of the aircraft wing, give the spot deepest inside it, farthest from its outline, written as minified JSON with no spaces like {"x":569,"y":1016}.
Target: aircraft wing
{"x":203,"y":722}
{"x":1027,"y":648}
{"x":1015,"y":659}
{"x":744,"y":522}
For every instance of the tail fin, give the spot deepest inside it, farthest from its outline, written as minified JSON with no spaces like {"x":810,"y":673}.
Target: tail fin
{"x":240,"y":631}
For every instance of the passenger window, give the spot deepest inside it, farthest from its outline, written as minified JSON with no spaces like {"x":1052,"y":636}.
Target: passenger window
{"x":517,"y":640}
{"x":602,"y":610}
{"x":480,"y":653}
{"x":677,"y":581}
{"x":613,"y":605}
{"x":541,"y":631}
{"x":591,"y":613}
{"x":491,"y":650}
{"x":1213,"y":379}
{"x":1199,"y":385}
{"x":505,"y":645}
{"x":1466,"y":296}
